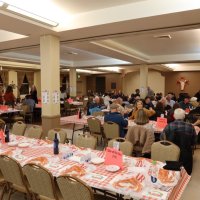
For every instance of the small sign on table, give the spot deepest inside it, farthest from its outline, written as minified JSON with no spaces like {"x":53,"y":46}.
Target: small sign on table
{"x":161,"y":122}
{"x":113,"y":157}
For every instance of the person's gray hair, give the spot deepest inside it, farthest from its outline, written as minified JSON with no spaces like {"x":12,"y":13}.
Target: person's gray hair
{"x":179,"y":113}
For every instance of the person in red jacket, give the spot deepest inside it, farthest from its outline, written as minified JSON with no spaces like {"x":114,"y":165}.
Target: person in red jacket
{"x":9,"y":97}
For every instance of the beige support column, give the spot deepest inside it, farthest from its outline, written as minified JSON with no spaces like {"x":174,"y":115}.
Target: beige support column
{"x":143,"y":81}
{"x":12,"y":80}
{"x":72,"y":82}
{"x":123,"y":82}
{"x":50,"y":80}
{"x":37,"y":82}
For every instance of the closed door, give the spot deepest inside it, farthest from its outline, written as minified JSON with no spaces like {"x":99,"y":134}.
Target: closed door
{"x":100,"y":84}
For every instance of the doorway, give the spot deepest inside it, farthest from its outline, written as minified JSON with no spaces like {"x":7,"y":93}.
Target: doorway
{"x":100,"y":84}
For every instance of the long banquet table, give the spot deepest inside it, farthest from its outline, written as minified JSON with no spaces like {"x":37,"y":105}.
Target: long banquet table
{"x":133,"y":179}
{"x":73,"y":119}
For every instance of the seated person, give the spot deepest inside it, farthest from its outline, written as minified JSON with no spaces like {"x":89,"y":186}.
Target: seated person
{"x":193,"y":102}
{"x":29,"y":101}
{"x":170,"y":103}
{"x":106,"y":100}
{"x":185,"y":104}
{"x":115,"y":116}
{"x":119,"y":102}
{"x":183,"y":135}
{"x":143,"y":120}
{"x":142,"y":132}
{"x":160,"y":110}
{"x":147,"y":103}
{"x":194,"y":114}
{"x":138,"y":106}
{"x":96,"y":105}
{"x":170,"y":113}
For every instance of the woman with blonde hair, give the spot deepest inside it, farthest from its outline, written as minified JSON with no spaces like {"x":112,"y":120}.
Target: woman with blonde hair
{"x":138,"y":106}
{"x":33,"y":94}
{"x":143,"y":120}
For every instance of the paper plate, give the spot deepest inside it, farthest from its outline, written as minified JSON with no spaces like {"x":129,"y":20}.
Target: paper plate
{"x":24,"y":144}
{"x":12,"y":144}
{"x":97,"y":160}
{"x":112,"y":168}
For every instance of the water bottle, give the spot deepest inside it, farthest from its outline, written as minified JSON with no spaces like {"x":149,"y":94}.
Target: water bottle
{"x":7,"y":134}
{"x":55,"y":145}
{"x":153,"y":172}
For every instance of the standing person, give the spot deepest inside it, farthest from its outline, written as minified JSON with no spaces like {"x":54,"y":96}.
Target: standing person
{"x":183,"y":135}
{"x":150,"y":92}
{"x":9,"y":97}
{"x":33,"y":94}
{"x":29,"y":101}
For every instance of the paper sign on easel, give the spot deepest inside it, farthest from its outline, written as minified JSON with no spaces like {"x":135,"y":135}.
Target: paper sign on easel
{"x":45,"y":97}
{"x":161,"y":122}
{"x":113,"y":157}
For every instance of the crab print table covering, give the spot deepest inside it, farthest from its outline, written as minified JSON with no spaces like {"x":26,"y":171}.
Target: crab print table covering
{"x":139,"y":178}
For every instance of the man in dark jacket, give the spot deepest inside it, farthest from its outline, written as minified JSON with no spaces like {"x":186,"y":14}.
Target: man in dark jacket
{"x":116,"y":117}
{"x":183,"y":135}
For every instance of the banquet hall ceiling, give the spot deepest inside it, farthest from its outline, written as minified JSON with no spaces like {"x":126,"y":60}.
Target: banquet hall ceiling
{"x":122,"y":33}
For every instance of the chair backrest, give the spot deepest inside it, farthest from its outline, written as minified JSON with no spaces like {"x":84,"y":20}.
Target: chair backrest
{"x":142,"y":138}
{"x":74,"y":189}
{"x":85,"y":103}
{"x":111,"y":130}
{"x":62,"y":134}
{"x":2,"y":124}
{"x":125,"y":146}
{"x":40,"y":180}
{"x":12,"y":171}
{"x":66,"y":105}
{"x":25,"y":108}
{"x":98,"y":113}
{"x":34,"y":131}
{"x":94,"y":125}
{"x":165,"y":150}
{"x":19,"y":128}
{"x":86,"y":141}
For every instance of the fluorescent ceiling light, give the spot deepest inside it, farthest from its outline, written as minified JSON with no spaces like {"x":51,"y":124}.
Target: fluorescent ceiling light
{"x":30,"y":15}
{"x":112,"y":69}
{"x":85,"y":71}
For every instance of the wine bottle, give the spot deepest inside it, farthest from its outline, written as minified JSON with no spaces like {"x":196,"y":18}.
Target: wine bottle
{"x":79,"y":114}
{"x":56,"y":144}
{"x":7,"y":134}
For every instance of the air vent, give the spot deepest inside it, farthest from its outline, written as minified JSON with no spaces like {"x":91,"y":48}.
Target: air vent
{"x":162,"y":36}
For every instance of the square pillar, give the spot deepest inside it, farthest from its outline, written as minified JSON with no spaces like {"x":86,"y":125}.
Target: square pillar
{"x":50,"y":80}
